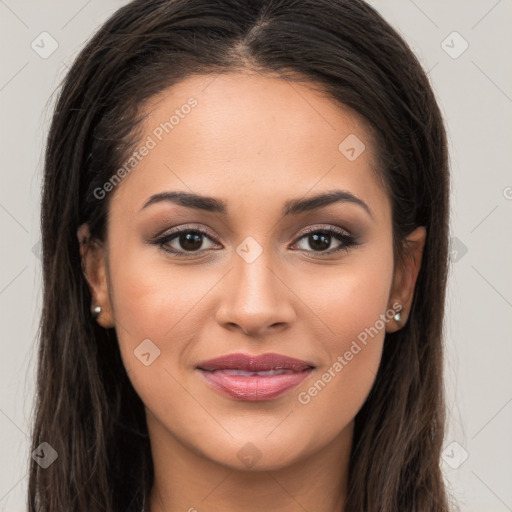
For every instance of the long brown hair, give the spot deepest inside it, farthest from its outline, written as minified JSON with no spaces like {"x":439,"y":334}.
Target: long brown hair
{"x":86,"y":407}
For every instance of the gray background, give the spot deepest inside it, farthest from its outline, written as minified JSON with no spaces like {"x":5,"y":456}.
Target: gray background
{"x":474,"y":89}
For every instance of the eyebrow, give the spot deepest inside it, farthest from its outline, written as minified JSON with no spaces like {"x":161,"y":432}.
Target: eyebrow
{"x":291,"y":207}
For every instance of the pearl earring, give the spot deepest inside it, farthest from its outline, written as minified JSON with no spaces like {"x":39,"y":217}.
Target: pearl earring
{"x":96,"y":311}
{"x":398,"y":317}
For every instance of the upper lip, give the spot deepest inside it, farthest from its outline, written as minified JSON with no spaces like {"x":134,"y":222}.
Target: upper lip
{"x":255,"y":363}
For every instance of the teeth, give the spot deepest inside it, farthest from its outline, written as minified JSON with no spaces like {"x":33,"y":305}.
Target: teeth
{"x":243,"y":373}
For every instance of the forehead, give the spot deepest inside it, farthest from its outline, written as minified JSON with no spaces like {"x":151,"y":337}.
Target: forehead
{"x":241,"y":135}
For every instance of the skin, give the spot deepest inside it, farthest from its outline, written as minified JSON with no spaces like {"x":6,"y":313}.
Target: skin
{"x":253,"y":141}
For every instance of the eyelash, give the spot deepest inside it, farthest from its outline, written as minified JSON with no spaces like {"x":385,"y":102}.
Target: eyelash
{"x":348,"y":241}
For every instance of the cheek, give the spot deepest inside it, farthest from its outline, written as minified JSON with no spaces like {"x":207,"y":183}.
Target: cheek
{"x":152,"y":302}
{"x":351,"y":308}
{"x":349,"y":298}
{"x":150,"y":295}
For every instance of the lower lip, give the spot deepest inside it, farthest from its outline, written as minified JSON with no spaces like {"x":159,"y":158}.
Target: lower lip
{"x":254,"y":388}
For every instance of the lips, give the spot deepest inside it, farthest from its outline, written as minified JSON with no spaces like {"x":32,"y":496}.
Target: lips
{"x":253,"y":378}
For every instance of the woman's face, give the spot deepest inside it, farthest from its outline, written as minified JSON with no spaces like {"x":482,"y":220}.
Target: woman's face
{"x":260,"y":149}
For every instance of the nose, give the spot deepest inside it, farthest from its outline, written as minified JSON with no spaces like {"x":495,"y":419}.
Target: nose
{"x":255,"y":299}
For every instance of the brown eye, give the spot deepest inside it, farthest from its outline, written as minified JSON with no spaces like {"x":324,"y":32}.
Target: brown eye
{"x":183,"y":241}
{"x":319,"y":240}
{"x":190,"y":241}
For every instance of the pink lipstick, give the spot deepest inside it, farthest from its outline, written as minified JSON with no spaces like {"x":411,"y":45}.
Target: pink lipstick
{"x":254,"y":378}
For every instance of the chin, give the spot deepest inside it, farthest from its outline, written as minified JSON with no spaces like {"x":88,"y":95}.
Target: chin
{"x":260,"y":453}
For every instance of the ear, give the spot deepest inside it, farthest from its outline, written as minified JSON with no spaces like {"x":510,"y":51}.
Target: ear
{"x":406,"y":273}
{"x":94,"y":267}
